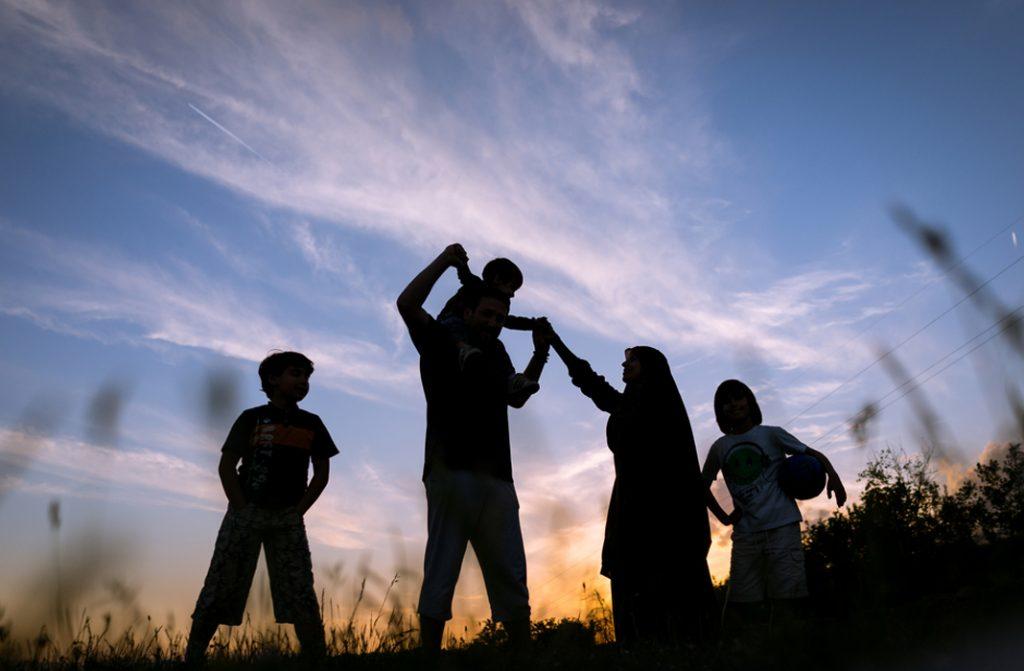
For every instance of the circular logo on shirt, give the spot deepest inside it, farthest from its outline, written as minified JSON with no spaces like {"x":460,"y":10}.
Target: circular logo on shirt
{"x":745,"y":463}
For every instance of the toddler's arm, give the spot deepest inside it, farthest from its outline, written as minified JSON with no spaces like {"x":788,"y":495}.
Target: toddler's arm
{"x":516,"y":323}
{"x":466,"y":276}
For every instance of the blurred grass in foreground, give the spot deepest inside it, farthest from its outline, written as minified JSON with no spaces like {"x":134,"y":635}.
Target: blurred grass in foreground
{"x":914,"y":572}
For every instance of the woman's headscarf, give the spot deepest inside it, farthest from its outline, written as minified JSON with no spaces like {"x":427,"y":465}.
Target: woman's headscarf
{"x":656,"y":382}
{"x":657,"y":388}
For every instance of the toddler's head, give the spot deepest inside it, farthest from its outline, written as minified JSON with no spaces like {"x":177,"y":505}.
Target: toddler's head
{"x":503,"y":275}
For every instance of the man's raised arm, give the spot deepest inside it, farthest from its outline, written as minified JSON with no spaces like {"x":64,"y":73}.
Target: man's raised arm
{"x":411,"y":300}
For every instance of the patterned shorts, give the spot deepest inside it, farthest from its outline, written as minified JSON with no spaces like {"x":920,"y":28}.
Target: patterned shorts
{"x":282,"y":534}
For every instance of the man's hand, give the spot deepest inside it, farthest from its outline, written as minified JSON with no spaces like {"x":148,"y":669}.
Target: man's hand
{"x":410,"y":301}
{"x":835,"y":485}
{"x":454,"y":255}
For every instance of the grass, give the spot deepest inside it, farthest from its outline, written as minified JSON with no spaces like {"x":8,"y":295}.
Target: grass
{"x":899,"y":636}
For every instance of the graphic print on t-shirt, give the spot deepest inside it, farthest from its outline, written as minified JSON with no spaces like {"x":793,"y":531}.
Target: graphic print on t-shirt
{"x":745,"y":463}
{"x":265,"y":437}
{"x":276,"y":447}
{"x":750,"y":463}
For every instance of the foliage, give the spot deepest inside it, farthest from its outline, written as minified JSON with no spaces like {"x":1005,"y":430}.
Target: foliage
{"x":908,"y":536}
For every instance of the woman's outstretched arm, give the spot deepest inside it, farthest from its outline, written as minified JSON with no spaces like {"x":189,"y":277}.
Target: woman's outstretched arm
{"x":594,"y":386}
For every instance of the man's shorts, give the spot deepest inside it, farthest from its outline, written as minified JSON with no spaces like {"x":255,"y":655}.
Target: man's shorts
{"x":282,"y":534}
{"x":767,"y":564}
{"x":467,"y":507}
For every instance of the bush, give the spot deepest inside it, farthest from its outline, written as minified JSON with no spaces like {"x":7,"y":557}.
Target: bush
{"x":908,"y":537}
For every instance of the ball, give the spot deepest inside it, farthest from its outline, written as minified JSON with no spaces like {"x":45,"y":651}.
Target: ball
{"x":801,"y":477}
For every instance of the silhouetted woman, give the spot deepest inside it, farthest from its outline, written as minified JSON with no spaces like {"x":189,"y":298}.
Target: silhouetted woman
{"x":657,"y":534}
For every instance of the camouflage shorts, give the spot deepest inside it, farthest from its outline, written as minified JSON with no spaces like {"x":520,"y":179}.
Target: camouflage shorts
{"x":282,"y":535}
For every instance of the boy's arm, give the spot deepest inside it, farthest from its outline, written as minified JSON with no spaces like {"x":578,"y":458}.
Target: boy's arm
{"x":229,"y":480}
{"x":718,"y":511}
{"x":834,"y":483}
{"x":792,"y":445}
{"x":709,"y":474}
{"x":317,"y":483}
{"x":410,"y":301}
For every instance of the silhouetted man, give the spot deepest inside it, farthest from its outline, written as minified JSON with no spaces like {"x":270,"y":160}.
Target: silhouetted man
{"x":467,"y":469}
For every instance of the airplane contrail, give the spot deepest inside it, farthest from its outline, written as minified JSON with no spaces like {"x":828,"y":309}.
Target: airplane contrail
{"x":232,"y":135}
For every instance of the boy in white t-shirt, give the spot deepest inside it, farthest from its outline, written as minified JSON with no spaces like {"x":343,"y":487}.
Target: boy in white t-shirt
{"x":767,"y":556}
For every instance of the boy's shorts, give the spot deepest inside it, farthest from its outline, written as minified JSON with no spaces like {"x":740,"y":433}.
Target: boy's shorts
{"x":767,"y":564}
{"x":466,"y":507}
{"x":282,"y":534}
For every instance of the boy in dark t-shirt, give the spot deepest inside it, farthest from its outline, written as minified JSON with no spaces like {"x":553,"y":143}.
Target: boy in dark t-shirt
{"x":267,"y":497}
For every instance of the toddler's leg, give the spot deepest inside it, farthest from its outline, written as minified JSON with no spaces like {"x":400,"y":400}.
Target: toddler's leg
{"x":460,"y":332}
{"x":222,"y":599}
{"x":520,"y":386}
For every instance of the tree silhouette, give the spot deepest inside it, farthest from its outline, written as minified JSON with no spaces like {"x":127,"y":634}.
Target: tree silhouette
{"x":909,"y":537}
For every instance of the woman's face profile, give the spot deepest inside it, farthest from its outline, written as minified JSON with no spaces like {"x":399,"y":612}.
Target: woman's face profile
{"x":631,"y":367}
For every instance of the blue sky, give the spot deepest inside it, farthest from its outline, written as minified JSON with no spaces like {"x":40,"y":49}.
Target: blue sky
{"x":188,"y":186}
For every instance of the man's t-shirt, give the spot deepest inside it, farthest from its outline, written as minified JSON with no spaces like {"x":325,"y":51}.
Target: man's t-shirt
{"x":750,"y":464}
{"x":276,"y":446}
{"x":467,"y":413}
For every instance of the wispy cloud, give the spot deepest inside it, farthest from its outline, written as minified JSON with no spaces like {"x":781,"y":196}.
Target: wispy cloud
{"x":65,"y":466}
{"x":98,"y":292}
{"x":581,"y":200}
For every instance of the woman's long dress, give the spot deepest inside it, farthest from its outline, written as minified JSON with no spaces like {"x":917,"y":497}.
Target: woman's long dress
{"x":657,"y":533}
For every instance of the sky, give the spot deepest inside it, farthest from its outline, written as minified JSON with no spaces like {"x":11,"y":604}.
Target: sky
{"x":188,"y":186}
